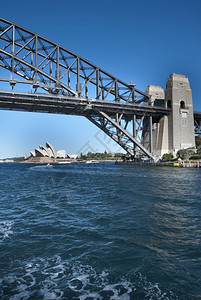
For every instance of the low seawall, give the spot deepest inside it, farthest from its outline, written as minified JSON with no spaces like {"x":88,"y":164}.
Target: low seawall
{"x":195,"y":164}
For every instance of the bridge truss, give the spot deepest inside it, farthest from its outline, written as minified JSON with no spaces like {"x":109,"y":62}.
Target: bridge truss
{"x":197,"y":122}
{"x":45,"y":77}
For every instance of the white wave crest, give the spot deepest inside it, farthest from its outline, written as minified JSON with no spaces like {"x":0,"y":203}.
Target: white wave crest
{"x":52,"y":278}
{"x":5,"y":229}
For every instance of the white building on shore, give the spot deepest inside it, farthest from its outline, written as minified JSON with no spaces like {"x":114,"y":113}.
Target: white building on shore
{"x":48,"y":151}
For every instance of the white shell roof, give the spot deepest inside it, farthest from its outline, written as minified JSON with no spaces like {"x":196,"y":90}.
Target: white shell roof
{"x":48,"y":151}
{"x":48,"y":145}
{"x":61,"y":154}
{"x":41,"y":152}
{"x":32,"y":153}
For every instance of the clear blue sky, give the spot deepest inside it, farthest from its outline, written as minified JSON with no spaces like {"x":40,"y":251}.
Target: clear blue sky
{"x":143,"y":41}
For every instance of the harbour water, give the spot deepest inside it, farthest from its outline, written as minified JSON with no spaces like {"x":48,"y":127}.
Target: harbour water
{"x":99,"y":231}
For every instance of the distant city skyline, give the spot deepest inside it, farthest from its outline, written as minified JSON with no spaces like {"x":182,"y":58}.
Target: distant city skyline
{"x":139,"y":41}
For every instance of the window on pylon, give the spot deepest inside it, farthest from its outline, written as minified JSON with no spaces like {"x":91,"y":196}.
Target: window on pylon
{"x":182,"y":104}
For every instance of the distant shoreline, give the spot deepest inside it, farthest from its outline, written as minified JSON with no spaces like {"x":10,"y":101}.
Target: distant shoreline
{"x":54,"y":162}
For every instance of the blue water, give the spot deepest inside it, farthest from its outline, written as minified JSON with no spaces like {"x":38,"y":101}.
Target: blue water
{"x":99,"y":231}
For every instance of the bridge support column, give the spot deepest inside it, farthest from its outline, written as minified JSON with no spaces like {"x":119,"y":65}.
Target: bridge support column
{"x":176,"y":130}
{"x":150,"y":134}
{"x":180,"y":121}
{"x":134,"y":135}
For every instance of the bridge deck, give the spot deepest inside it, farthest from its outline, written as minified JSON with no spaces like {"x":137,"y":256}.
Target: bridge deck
{"x":74,"y":106}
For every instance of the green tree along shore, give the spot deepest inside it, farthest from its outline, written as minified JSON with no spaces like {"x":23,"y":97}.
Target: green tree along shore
{"x":101,"y":156}
{"x":198,"y":142}
{"x":186,"y":154}
{"x":89,"y":156}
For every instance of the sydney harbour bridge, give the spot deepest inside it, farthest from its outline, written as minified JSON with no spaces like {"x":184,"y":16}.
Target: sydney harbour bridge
{"x":38,"y":75}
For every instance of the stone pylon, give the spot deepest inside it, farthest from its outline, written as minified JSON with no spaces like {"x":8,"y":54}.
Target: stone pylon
{"x":178,"y":97}
{"x":175,"y":131}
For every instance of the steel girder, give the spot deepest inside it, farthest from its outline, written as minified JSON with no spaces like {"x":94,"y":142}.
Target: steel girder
{"x":197,"y":122}
{"x":197,"y":126}
{"x":20,"y":100}
{"x":49,"y":66}
{"x":43,"y":67}
{"x":116,"y":128}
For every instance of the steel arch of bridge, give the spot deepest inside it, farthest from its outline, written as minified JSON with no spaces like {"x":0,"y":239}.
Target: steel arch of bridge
{"x":57,"y":80}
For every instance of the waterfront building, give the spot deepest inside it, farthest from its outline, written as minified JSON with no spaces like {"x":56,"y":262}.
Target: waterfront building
{"x":48,"y":151}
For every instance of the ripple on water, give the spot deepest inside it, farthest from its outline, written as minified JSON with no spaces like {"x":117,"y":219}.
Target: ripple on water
{"x":5,"y":230}
{"x":110,"y":226}
{"x":54,"y":278}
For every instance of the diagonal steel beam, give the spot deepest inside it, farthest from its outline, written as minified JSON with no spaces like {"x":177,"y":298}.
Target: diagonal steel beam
{"x":43,"y":40}
{"x":144,"y":150}
{"x":112,"y":136}
{"x":7,"y":29}
{"x":39,"y":71}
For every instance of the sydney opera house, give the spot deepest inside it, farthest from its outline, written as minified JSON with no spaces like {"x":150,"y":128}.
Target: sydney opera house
{"x":48,"y":153}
